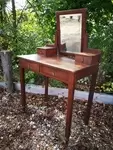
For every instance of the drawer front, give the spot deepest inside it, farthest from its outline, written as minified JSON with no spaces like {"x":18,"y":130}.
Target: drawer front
{"x":79,"y":59}
{"x":42,"y":52}
{"x":30,"y":65}
{"x":55,"y":73}
{"x":88,"y":60}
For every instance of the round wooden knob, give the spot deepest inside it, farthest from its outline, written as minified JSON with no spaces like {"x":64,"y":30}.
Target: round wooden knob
{"x":53,"y":73}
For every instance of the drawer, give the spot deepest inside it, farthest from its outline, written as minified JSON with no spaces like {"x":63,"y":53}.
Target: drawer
{"x":55,"y":73}
{"x":79,"y":59}
{"x":33,"y":66}
{"x":42,"y":52}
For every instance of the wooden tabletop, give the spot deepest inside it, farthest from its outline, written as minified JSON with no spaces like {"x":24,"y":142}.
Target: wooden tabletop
{"x":57,"y":62}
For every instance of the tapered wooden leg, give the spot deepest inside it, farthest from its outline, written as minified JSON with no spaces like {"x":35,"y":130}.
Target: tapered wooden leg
{"x":71,"y":88}
{"x":90,"y":98}
{"x":46,"y":88}
{"x":22,"y":82}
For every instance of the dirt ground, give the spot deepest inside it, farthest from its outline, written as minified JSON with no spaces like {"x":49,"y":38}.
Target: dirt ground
{"x":42,"y":126}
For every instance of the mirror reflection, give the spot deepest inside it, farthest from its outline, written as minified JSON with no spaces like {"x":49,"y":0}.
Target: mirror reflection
{"x":70,"y":30}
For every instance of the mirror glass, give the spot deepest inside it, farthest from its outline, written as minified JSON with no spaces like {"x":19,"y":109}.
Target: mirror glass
{"x":70,"y":32}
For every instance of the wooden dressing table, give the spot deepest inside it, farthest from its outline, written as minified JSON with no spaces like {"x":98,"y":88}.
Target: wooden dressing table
{"x":67,"y":67}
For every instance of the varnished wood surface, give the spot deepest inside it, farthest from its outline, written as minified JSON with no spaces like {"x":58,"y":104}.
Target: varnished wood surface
{"x":66,"y":68}
{"x":63,"y":69}
{"x":60,"y":62}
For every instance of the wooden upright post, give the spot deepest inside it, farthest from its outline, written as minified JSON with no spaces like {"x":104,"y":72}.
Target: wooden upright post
{"x":7,"y":69}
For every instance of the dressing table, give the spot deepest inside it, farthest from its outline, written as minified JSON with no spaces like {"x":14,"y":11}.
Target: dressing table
{"x":59,"y":61}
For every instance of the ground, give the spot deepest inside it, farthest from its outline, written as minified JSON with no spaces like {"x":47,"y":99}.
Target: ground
{"x":42,"y":126}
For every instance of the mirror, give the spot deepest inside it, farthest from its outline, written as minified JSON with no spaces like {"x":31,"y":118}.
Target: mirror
{"x":71,"y":30}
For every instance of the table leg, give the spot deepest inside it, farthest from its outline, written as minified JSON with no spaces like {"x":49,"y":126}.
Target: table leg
{"x":22,"y":82}
{"x":46,"y":88}
{"x":69,"y":111}
{"x":90,"y":98}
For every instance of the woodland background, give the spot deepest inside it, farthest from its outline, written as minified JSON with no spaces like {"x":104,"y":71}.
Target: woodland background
{"x":23,"y":30}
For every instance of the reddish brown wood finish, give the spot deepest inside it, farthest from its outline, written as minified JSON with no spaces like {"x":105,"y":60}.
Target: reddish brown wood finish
{"x":47,"y":51}
{"x":22,"y":81}
{"x":54,"y":73}
{"x":71,"y":87}
{"x":63,"y":69}
{"x":90,"y":98}
{"x":89,"y":57}
{"x":65,"y":66}
{"x":46,"y":88}
{"x":30,"y":65}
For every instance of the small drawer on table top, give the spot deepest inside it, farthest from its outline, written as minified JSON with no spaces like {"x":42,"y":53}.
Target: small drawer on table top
{"x":41,"y":53}
{"x":55,"y":73}
{"x":33,"y":66}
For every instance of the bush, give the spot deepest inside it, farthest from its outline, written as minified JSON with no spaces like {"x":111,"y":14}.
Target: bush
{"x":103,"y":40}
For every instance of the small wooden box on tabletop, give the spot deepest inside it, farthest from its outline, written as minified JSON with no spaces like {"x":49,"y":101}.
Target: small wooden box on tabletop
{"x":47,"y":51}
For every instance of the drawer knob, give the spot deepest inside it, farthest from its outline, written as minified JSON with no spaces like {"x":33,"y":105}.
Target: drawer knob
{"x":28,"y":66}
{"x":53,"y":73}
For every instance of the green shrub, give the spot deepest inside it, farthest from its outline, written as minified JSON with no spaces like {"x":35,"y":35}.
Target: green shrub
{"x":103,"y":40}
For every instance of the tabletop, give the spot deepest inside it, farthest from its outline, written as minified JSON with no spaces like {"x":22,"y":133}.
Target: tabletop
{"x":60,"y":62}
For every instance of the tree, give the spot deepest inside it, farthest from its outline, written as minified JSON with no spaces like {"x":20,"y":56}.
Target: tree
{"x":3,"y":4}
{"x":3,"y":21}
{"x":14,"y":23}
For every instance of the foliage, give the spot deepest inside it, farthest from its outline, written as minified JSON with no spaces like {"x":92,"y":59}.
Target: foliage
{"x":58,"y":84}
{"x":103,"y":39}
{"x":3,"y":24}
{"x":35,"y":26}
{"x":28,"y":36}
{"x":45,"y":15}
{"x":107,"y":87}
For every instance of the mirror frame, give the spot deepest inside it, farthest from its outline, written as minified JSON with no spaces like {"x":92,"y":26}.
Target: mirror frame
{"x":82,"y":11}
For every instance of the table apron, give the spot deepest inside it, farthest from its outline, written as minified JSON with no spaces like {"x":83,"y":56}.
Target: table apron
{"x":32,"y":66}
{"x":48,"y":71}
{"x":55,"y":73}
{"x":86,"y":72}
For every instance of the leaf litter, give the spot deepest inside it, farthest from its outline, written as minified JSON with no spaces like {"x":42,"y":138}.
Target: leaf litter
{"x":42,"y":126}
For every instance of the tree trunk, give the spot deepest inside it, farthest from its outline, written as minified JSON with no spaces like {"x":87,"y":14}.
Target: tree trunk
{"x":14,"y":14}
{"x":1,"y":15}
{"x":7,"y":69}
{"x":14,"y":23}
